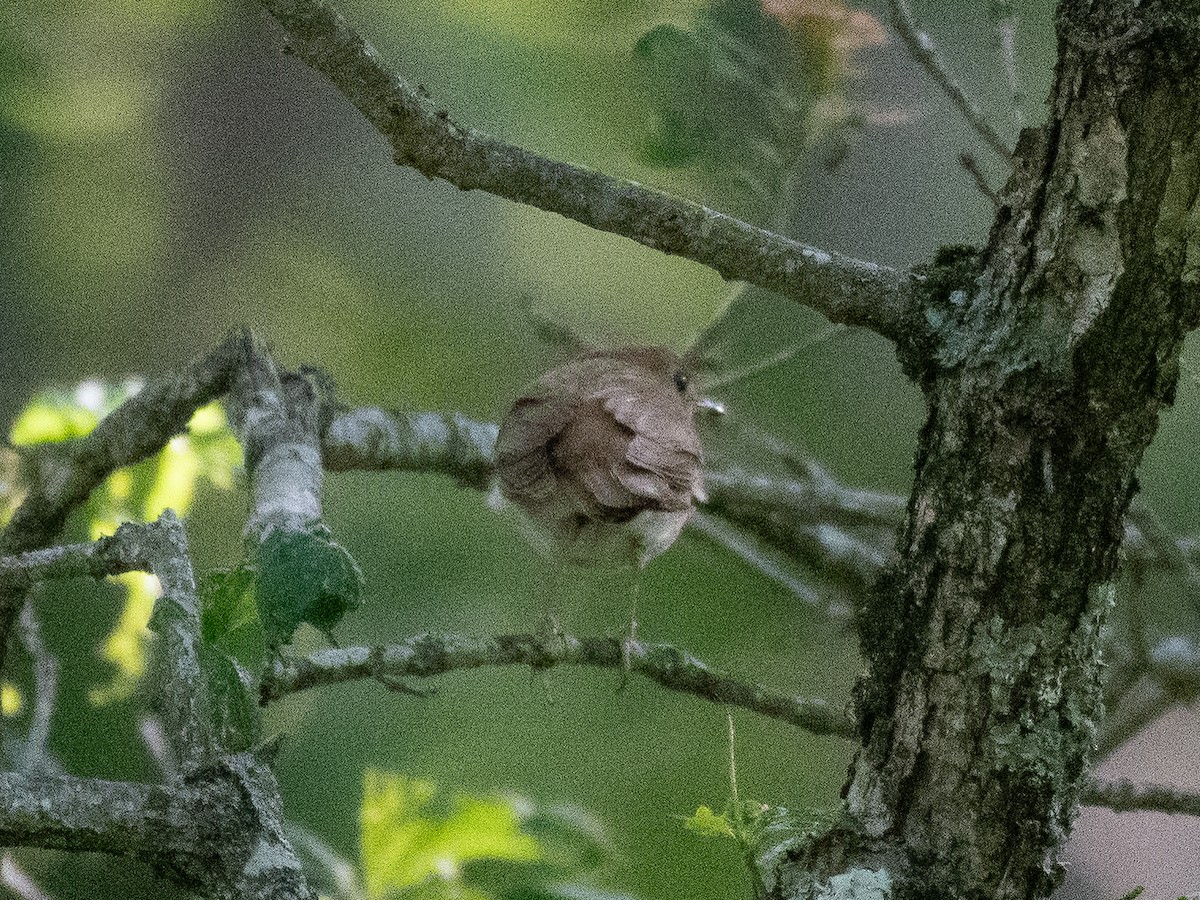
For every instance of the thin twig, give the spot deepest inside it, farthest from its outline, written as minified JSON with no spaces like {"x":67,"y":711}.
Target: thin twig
{"x":1123,"y":795}
{"x":425,"y":137}
{"x":925,"y":52}
{"x":17,"y":880}
{"x":45,"y":692}
{"x":1006,"y":31}
{"x":971,"y":164}
{"x":775,"y":359}
{"x":1167,"y":546}
{"x":754,"y":554}
{"x":426,"y":655}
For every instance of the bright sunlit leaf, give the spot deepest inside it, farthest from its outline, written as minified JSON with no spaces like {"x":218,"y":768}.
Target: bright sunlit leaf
{"x":413,"y":835}
{"x":707,"y":823}
{"x":208,"y":451}
{"x":12,"y":701}
{"x":175,"y":481}
{"x":45,"y":422}
{"x":126,"y":646}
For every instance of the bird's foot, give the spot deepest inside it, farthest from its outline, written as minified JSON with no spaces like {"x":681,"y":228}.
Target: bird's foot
{"x":628,"y":645}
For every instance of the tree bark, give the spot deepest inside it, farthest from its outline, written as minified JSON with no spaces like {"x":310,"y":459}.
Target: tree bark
{"x":1044,"y":376}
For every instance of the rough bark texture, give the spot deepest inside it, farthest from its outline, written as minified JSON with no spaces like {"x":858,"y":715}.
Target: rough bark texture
{"x":1044,"y":377}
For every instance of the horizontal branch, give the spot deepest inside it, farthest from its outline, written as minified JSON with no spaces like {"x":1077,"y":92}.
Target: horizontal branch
{"x":444,"y":443}
{"x":426,"y":138}
{"x":1123,"y":795}
{"x":64,"y":813}
{"x":435,"y":654}
{"x":219,"y":834}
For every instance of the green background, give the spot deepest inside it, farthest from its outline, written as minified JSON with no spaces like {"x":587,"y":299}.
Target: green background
{"x":166,"y":173}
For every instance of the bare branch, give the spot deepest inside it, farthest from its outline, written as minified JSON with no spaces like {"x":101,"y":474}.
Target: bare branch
{"x":924,"y":51}
{"x":140,"y":427}
{"x":45,"y":693}
{"x":65,"y":813}
{"x":1123,"y":795}
{"x":219,"y":833}
{"x":754,"y":554}
{"x":1168,"y":548}
{"x":161,"y":549}
{"x":17,"y":880}
{"x":426,"y":138}
{"x":445,"y":443}
{"x":971,"y":164}
{"x":426,"y":655}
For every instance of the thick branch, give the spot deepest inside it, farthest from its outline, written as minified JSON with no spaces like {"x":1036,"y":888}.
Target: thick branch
{"x":218,"y":833}
{"x":59,"y":813}
{"x":277,"y":417}
{"x":430,"y":654}
{"x":426,"y":138}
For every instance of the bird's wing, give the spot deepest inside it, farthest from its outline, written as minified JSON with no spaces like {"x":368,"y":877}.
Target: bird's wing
{"x":523,"y":459}
{"x":588,"y":458}
{"x":663,"y":444}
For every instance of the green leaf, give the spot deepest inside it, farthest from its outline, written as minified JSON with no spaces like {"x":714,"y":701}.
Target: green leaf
{"x":304,"y":576}
{"x":233,"y":703}
{"x":127,"y":645}
{"x":227,"y":604}
{"x":707,"y":823}
{"x":741,"y":92}
{"x":412,"y":836}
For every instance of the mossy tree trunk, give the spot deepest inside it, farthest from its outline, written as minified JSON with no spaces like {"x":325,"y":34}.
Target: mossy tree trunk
{"x":1045,"y":374}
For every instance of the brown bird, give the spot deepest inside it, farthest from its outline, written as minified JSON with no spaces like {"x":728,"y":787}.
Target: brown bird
{"x":602,"y":455}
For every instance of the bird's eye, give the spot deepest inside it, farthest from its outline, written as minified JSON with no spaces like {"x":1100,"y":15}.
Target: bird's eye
{"x":681,"y":382}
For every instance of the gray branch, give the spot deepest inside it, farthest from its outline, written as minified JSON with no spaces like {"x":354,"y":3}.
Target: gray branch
{"x":277,"y":416}
{"x":218,"y":828}
{"x":64,"y":813}
{"x":427,"y":655}
{"x":216,"y":833}
{"x":425,"y":137}
{"x":161,"y":549}
{"x":444,"y":443}
{"x":1123,"y":795}
{"x":45,"y":694}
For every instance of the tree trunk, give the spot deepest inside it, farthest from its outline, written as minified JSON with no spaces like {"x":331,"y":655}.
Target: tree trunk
{"x":1044,"y":376}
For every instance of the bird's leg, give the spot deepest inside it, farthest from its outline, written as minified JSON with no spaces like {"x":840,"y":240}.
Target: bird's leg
{"x":630,"y":641}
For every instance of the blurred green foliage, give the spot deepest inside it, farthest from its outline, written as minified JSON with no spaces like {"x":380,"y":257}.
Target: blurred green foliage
{"x":748,"y":92}
{"x":208,"y":452}
{"x":418,"y":842}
